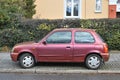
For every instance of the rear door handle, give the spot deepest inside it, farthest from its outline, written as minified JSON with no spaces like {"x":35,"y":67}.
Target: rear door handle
{"x":68,"y":47}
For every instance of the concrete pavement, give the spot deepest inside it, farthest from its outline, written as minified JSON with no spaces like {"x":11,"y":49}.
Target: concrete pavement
{"x":8,"y":66}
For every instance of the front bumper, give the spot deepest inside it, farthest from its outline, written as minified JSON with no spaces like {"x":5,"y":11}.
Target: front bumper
{"x":14,"y":56}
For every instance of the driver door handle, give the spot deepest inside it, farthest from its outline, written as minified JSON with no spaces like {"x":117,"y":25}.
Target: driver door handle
{"x":68,"y":47}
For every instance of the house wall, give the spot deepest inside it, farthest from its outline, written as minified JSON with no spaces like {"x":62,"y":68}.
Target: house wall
{"x":49,"y":9}
{"x":88,"y":9}
{"x":54,"y":9}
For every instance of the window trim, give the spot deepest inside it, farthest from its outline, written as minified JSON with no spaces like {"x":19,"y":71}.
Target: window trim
{"x":84,"y":42}
{"x":59,"y":43}
{"x":79,"y":10}
{"x":98,"y":11}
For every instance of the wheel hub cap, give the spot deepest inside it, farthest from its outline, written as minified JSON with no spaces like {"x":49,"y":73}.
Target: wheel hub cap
{"x":93,"y":62}
{"x":28,"y":61}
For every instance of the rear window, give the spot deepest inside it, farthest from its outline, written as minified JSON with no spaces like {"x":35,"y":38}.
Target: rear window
{"x":84,"y":37}
{"x":100,"y":37}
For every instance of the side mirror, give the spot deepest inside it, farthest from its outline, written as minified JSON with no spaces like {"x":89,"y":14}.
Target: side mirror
{"x":44,"y":42}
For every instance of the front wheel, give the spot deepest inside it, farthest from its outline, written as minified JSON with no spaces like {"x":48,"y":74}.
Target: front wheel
{"x":26,"y":60}
{"x":93,"y":61}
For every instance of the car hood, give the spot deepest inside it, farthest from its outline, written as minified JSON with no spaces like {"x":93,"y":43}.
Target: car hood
{"x":25,"y":43}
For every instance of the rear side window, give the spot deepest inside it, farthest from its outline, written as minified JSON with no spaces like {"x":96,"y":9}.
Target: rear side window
{"x":84,"y":37}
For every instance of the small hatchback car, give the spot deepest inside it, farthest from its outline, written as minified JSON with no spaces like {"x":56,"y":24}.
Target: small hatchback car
{"x":63,"y":45}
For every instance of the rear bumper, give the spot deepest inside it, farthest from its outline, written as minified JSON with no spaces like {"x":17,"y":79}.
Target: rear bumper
{"x":105,"y":56}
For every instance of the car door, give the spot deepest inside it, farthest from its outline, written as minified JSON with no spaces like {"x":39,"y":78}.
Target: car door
{"x":84,"y":42}
{"x":57,"y":47}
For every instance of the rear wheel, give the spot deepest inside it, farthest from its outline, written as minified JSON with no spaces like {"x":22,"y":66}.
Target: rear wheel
{"x":93,"y":61}
{"x":26,"y":60}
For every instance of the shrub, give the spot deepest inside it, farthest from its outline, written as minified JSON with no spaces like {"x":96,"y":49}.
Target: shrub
{"x":9,"y":37}
{"x":29,"y":30}
{"x":4,"y":18}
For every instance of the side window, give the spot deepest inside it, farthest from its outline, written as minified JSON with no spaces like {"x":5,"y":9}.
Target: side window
{"x":84,"y":37}
{"x":60,"y":37}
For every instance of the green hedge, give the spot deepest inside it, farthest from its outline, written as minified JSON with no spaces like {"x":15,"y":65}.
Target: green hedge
{"x":29,"y":30}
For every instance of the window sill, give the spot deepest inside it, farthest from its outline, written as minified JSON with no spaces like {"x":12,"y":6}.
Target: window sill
{"x":98,"y":11}
{"x":72,"y":17}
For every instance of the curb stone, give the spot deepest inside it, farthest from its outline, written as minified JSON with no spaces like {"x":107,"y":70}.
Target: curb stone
{"x":109,"y":71}
{"x":33,"y":71}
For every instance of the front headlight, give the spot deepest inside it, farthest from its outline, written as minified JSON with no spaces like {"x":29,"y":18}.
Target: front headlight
{"x":12,"y":49}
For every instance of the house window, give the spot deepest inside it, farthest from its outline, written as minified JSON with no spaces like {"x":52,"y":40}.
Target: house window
{"x":98,"y":6}
{"x":118,"y":1}
{"x":118,"y":5}
{"x":72,"y":8}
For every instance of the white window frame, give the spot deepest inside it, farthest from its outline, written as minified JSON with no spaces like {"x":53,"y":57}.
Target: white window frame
{"x":79,"y":10}
{"x":113,"y":2}
{"x":100,"y":10}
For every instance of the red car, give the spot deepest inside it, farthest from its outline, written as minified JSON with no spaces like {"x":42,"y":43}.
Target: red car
{"x":63,"y":45}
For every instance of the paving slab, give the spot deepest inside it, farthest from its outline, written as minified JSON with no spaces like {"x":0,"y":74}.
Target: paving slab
{"x":8,"y":66}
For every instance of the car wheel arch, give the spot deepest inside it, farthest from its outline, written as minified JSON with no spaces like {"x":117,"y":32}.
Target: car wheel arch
{"x":24,"y":53}
{"x":91,"y":54}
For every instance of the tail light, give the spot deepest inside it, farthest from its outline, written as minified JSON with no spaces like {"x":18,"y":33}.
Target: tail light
{"x":105,"y":46}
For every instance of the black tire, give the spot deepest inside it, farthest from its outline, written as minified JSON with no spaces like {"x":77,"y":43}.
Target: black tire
{"x":26,"y":60}
{"x":93,"y":61}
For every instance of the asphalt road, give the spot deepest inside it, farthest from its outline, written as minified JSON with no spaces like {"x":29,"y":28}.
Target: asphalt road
{"x":14,"y":76}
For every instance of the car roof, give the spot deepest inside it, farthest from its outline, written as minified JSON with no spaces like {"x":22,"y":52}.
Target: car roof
{"x":75,"y":29}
